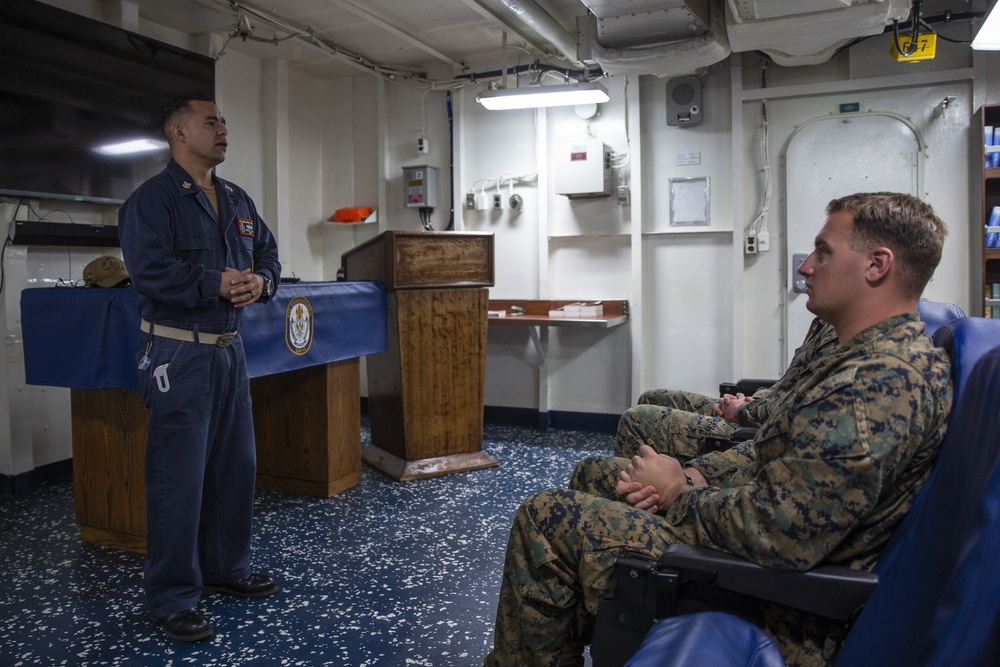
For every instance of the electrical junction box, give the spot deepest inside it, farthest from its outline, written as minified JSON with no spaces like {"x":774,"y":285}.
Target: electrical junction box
{"x":583,"y":170}
{"x":420,"y":186}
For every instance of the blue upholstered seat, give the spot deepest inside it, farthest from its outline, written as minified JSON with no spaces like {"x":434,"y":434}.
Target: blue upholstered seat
{"x":936,"y":314}
{"x":938,"y":598}
{"x":708,"y":639}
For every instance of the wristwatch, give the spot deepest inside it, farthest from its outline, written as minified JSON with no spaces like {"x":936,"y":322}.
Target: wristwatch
{"x":268,"y":286}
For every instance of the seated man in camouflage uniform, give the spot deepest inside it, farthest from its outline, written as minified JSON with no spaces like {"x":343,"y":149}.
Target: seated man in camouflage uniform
{"x":677,"y":422}
{"x":826,"y":480}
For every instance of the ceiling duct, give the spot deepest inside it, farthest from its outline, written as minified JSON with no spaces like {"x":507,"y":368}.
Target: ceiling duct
{"x":806,"y":32}
{"x":635,"y":23}
{"x":648,"y":37}
{"x":678,"y":37}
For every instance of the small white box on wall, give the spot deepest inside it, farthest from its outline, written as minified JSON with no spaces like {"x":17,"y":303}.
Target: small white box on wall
{"x":583,"y":170}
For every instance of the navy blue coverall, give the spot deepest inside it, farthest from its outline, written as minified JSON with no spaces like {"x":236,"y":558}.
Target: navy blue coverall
{"x":200,"y":454}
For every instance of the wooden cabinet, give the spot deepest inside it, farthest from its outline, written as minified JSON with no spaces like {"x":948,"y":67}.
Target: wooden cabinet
{"x":985,"y":178}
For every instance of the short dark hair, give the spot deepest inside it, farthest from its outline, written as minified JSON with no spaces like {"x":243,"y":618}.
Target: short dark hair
{"x":904,"y":224}
{"x":179,"y":108}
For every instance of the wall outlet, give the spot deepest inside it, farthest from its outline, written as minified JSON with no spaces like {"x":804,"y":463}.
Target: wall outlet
{"x":498,"y":204}
{"x":623,"y":195}
{"x":423,"y":146}
{"x":750,"y":245}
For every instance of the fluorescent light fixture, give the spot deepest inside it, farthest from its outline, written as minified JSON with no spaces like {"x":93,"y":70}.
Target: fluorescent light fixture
{"x":132,"y":146}
{"x":988,"y":37}
{"x":582,"y":92}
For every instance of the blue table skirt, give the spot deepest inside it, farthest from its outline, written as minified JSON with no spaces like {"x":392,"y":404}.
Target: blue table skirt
{"x":87,"y":337}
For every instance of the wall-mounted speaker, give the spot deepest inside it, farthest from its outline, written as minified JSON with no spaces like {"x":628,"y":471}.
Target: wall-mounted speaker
{"x":684,"y":101}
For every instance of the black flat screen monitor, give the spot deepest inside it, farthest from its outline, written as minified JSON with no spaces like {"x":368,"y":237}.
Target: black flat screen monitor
{"x":70,"y":85}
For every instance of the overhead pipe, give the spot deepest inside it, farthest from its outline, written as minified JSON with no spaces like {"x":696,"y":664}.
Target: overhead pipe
{"x":532,"y":15}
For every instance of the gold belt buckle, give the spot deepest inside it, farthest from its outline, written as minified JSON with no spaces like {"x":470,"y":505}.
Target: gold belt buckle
{"x":226,"y":339}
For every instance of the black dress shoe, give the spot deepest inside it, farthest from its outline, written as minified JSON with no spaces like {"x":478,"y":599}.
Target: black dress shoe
{"x":187,"y":625}
{"x":253,"y":586}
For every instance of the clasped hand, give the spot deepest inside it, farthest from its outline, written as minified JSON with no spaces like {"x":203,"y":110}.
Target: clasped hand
{"x":241,"y":287}
{"x":727,"y":406}
{"x":651,"y":481}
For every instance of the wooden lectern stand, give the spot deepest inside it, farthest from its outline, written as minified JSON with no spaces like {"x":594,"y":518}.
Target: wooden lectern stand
{"x":426,"y":391}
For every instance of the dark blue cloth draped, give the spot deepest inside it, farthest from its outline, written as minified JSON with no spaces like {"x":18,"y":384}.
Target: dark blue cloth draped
{"x":87,"y":337}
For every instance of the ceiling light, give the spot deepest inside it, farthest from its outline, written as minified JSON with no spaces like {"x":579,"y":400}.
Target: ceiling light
{"x":582,"y":92}
{"x":988,"y":37}
{"x":133,"y":146}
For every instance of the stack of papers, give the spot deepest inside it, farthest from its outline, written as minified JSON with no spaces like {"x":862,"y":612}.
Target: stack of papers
{"x":579,"y":309}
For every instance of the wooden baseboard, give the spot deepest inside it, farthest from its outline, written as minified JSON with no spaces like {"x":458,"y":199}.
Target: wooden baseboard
{"x":436,"y":466}
{"x":305,"y":487}
{"x":114,"y":539}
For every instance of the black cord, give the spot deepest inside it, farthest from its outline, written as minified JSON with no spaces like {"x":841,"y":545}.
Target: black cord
{"x":947,"y":17}
{"x":6,"y":242}
{"x":536,"y":66}
{"x":3,"y":250}
{"x":952,"y":40}
{"x":451,"y":162}
{"x":425,"y":218}
{"x":915,"y":39}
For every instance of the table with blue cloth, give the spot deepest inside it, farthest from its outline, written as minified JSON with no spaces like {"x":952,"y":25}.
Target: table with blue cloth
{"x":302,"y":351}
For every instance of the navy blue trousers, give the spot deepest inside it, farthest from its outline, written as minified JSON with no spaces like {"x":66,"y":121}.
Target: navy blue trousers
{"x":200,"y":470}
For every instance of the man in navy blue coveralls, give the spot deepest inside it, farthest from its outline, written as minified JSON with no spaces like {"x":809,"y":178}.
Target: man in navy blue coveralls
{"x":197,"y":253}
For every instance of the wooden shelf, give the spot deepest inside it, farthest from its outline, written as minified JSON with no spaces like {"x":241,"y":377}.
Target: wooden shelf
{"x":537,"y":313}
{"x":986,"y":196}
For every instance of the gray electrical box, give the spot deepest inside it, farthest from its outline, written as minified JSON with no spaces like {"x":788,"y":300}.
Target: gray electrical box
{"x":583,"y":170}
{"x":420,"y":186}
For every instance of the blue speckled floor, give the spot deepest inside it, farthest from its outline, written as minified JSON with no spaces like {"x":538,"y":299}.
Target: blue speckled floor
{"x":383,"y":574}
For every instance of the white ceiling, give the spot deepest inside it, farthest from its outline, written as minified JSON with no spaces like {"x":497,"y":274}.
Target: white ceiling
{"x":408,"y":35}
{"x":442,"y":39}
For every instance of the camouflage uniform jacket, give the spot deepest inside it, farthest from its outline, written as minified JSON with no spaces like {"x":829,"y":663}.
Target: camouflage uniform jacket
{"x":837,"y":465}
{"x":820,"y":339}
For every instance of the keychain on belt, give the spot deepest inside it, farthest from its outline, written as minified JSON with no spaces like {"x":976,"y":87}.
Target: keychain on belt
{"x":144,"y":362}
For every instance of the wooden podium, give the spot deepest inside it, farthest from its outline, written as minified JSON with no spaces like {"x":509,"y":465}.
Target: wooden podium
{"x":426,"y":391}
{"x":306,"y":398}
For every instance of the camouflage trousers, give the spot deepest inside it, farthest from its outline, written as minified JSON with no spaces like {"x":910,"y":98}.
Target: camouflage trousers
{"x":671,"y":422}
{"x":560,"y":564}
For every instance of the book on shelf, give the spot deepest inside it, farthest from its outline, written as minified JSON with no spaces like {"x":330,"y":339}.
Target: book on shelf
{"x":988,"y":141}
{"x":993,"y":237}
{"x":991,"y":136}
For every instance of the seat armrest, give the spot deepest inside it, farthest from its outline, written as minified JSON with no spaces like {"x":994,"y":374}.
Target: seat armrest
{"x":745,"y":386}
{"x":834,"y":592}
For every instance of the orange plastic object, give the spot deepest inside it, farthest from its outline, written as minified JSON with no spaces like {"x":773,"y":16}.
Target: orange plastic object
{"x":351,"y":214}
